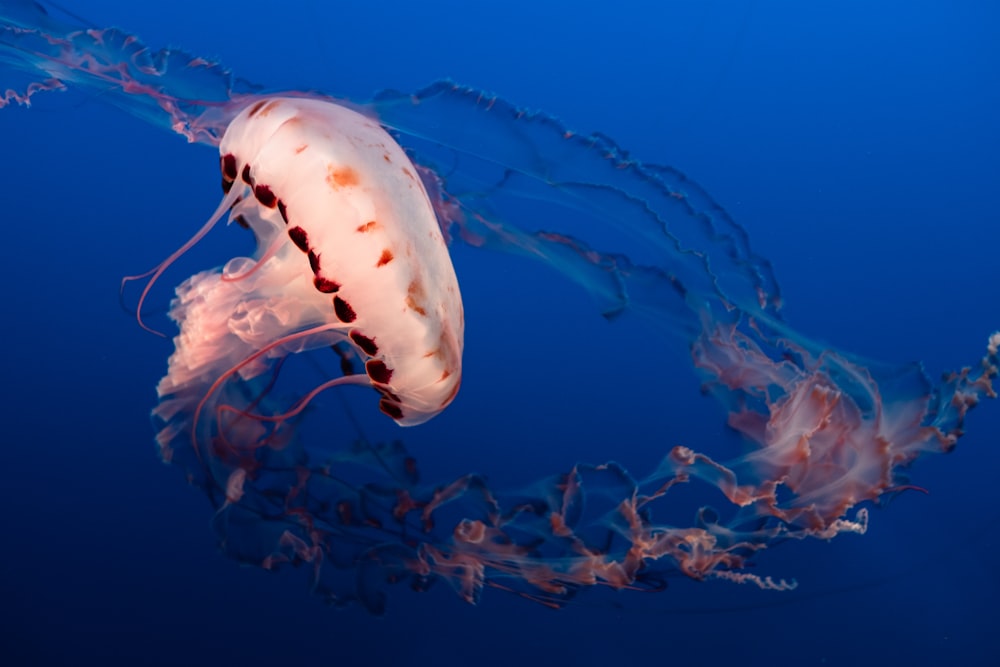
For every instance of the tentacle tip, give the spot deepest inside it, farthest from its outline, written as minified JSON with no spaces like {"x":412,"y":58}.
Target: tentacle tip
{"x":151,"y":330}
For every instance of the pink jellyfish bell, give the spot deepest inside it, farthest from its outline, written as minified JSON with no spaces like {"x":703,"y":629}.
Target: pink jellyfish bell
{"x":349,"y":250}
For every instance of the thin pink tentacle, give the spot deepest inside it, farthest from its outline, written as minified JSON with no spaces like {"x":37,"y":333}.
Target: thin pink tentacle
{"x":271,"y":251}
{"x":226,"y":203}
{"x":235,"y":369}
{"x":302,"y":403}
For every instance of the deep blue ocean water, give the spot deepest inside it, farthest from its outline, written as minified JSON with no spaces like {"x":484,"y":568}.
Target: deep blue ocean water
{"x":856,"y":143}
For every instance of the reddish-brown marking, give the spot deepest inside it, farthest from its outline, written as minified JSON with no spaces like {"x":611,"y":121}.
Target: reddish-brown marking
{"x":366,"y":344}
{"x":385,"y":156}
{"x":414,"y":306}
{"x":228,"y":165}
{"x":414,"y":296}
{"x":301,"y":148}
{"x":299,"y":238}
{"x":385,"y":258}
{"x":265,"y":196}
{"x":368,"y":226}
{"x":445,"y":375}
{"x":314,"y":261}
{"x":226,"y":186}
{"x":409,"y":174}
{"x":246,"y":175}
{"x":283,"y":211}
{"x":255,"y":108}
{"x":390,"y":409}
{"x":342,"y":177}
{"x":269,"y":108}
{"x":378,"y":371}
{"x":416,"y":289}
{"x":344,"y":311}
{"x":326,"y":286}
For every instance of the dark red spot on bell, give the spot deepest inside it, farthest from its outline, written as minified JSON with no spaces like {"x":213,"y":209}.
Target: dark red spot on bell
{"x":299,"y":238}
{"x":242,"y":222}
{"x":343,"y":309}
{"x":327,"y":286}
{"x":366,"y":344}
{"x":228,"y":165}
{"x":265,"y":196}
{"x":246,"y":175}
{"x":390,"y":409}
{"x":385,"y":258}
{"x":314,"y":261}
{"x":283,"y":211}
{"x":378,"y":371}
{"x":255,"y":108}
{"x":226,"y":186}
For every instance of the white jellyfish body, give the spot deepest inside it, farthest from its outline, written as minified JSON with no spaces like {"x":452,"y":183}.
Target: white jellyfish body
{"x":349,"y":249}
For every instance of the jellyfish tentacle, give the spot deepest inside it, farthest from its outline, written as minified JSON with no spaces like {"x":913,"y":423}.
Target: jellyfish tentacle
{"x":271,"y":251}
{"x":284,"y":340}
{"x":227,"y":202}
{"x":302,"y":403}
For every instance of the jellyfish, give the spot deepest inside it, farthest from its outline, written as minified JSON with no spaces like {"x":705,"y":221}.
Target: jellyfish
{"x":352,"y":206}
{"x":351,"y":254}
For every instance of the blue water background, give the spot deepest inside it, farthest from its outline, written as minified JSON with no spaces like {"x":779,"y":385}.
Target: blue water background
{"x":856,"y":141}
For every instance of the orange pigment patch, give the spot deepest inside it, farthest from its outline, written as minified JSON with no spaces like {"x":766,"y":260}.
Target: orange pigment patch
{"x":416,"y":289}
{"x":414,"y":296}
{"x":385,"y":258}
{"x":341,"y":177}
{"x":301,"y":148}
{"x":268,"y":108}
{"x":255,"y":108}
{"x":413,"y":305}
{"x":368,"y":226}
{"x":409,"y":174}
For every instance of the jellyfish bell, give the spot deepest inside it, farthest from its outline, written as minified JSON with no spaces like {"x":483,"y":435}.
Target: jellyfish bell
{"x":349,"y":251}
{"x":351,"y":219}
